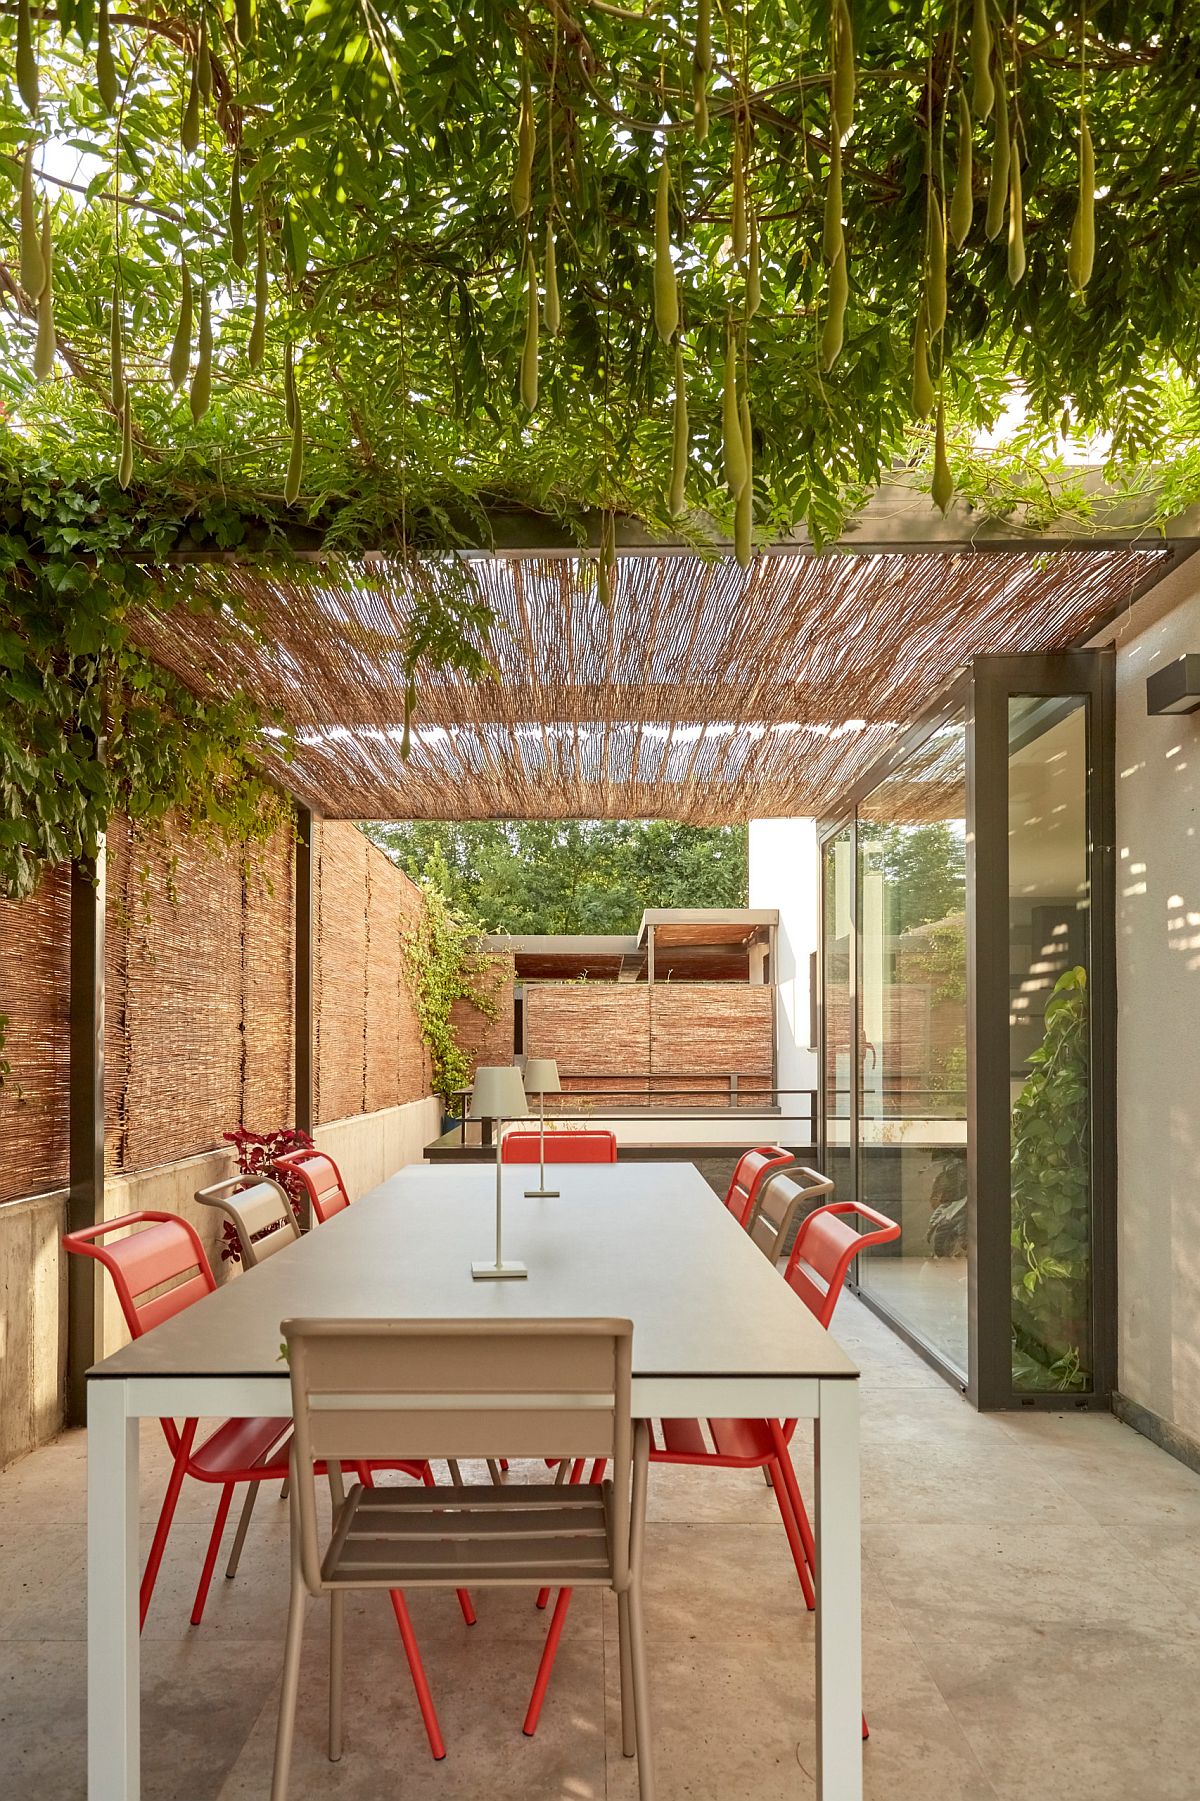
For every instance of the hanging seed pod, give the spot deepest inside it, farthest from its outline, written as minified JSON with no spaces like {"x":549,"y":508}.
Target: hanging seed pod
{"x":520,"y":190}
{"x":125,"y":466}
{"x":835,"y":313}
{"x":237,"y":216}
{"x":942,"y":487}
{"x":1082,"y":253}
{"x":258,"y":329}
{"x":666,"y":291}
{"x":935,"y":271}
{"x":201,"y":389}
{"x":833,"y":239}
{"x":737,"y":230}
{"x":962,"y":203}
{"x":743,"y":513}
{"x":1016,"y":224}
{"x":27,"y":69}
{"x":181,"y":346}
{"x":843,"y":68}
{"x":43,"y":355}
{"x":551,"y":311}
{"x":33,"y":272}
{"x":1001,"y":158}
{"x":529,"y":355}
{"x":922,"y":386}
{"x":606,"y":561}
{"x":731,"y":422}
{"x":753,"y":270}
{"x":290,"y":408}
{"x":677,"y":496}
{"x":107,"y":84}
{"x":701,"y":69}
{"x":116,"y":352}
{"x":983,"y":90}
{"x":204,"y":74}
{"x":243,"y":18}
{"x":189,"y":130}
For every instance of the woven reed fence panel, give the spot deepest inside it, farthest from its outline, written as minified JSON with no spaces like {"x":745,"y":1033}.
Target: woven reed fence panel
{"x":340,"y":973}
{"x":594,"y":1030}
{"x":269,"y":988}
{"x":34,"y":988}
{"x":487,"y":1040}
{"x":726,"y":1028}
{"x":369,"y":1052}
{"x":198,"y":1034}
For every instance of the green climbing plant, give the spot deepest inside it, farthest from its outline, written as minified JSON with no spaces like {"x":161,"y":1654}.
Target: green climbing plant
{"x":444,"y":964}
{"x":1050,"y":1188}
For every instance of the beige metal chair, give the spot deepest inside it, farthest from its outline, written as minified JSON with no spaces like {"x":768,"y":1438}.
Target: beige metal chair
{"x":261,"y":1212}
{"x":782,"y":1202}
{"x":466,"y":1388}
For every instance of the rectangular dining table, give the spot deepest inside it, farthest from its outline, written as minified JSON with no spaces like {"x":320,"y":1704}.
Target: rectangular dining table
{"x":717,"y":1333}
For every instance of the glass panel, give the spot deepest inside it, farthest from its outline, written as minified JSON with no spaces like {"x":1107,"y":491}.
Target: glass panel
{"x":913,"y":1038}
{"x":1048,"y":929}
{"x":835,"y":877}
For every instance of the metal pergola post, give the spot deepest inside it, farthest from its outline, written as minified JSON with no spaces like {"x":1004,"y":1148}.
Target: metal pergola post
{"x":302,"y":1022}
{"x":85,"y":1200}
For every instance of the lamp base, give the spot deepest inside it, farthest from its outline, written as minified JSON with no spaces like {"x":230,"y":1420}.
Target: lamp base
{"x":542,"y":1194}
{"x":496,"y":1272}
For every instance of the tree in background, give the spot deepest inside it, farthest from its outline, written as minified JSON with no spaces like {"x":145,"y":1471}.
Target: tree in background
{"x":575,"y":875}
{"x":925,"y":873}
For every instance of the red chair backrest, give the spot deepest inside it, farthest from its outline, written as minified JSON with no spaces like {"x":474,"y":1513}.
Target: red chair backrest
{"x":168,"y":1250}
{"x":321,"y":1180}
{"x":753,"y":1168}
{"x":597,"y":1146}
{"x":824,"y":1249}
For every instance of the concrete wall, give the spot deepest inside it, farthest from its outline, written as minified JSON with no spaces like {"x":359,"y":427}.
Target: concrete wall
{"x":784,"y":873}
{"x":1158,"y":1035}
{"x":366,"y":1148}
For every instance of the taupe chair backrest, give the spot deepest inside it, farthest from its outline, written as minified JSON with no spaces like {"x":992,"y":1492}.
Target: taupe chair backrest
{"x":391,"y":1389}
{"x":783,"y":1201}
{"x":255,"y":1204}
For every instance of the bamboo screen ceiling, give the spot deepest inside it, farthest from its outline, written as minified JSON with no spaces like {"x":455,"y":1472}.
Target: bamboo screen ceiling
{"x":703,"y":693}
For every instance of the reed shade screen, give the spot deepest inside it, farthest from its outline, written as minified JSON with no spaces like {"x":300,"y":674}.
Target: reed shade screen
{"x":703,"y":693}
{"x":34,"y":993}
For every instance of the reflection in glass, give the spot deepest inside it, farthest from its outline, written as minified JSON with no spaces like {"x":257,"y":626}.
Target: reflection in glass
{"x":836,"y":1075}
{"x":1049,"y":912}
{"x":912,"y":1049}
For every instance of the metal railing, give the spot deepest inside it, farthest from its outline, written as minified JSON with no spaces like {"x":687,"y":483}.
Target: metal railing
{"x":639,"y":1095}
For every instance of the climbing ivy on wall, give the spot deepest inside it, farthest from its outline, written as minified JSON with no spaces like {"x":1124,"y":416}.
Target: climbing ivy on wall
{"x":444,"y":964}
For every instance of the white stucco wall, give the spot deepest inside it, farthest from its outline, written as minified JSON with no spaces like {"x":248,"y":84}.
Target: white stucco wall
{"x":784,"y":874}
{"x":1158,"y":998}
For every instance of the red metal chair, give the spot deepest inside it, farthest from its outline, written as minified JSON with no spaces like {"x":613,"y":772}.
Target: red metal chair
{"x":321,"y":1180}
{"x":253,"y":1450}
{"x":591,"y":1146}
{"x":753,"y":1169}
{"x":824,"y":1249}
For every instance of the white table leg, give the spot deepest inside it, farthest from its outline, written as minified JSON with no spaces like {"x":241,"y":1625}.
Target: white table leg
{"x":839,"y":1596}
{"x":114,"y":1663}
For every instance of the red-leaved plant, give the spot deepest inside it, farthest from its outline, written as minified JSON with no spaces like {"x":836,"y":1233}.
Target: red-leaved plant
{"x":256,"y":1154}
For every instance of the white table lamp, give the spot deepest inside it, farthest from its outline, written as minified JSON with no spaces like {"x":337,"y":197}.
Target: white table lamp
{"x":541,"y":1078}
{"x":498,"y":1094}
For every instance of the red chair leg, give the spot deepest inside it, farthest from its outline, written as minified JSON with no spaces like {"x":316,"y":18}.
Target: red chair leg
{"x":165,"y":1516}
{"x":214,"y":1545}
{"x":784,"y":1459}
{"x":558,"y":1620}
{"x":795,"y":1542}
{"x":575,"y":1476}
{"x":417,"y":1670}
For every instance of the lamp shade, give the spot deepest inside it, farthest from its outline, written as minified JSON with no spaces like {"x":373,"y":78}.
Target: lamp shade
{"x":541,"y":1076}
{"x":498,"y":1093}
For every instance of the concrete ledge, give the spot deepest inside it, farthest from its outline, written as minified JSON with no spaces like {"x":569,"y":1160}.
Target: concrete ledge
{"x":1176,"y":1443}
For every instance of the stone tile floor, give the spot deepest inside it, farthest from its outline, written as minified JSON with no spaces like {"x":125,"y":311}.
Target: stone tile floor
{"x":1031,"y":1616}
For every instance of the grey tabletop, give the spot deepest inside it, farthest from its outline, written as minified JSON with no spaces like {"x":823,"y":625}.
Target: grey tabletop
{"x":649,"y":1242}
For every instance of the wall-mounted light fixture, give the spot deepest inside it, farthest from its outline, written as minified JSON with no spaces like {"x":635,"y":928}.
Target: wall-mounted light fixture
{"x":1175,"y":688}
